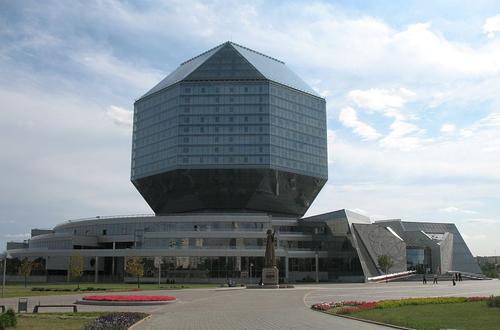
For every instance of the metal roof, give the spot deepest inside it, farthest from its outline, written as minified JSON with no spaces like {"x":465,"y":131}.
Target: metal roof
{"x":271,"y":68}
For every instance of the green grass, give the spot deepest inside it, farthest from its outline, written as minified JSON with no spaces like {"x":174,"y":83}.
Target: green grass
{"x":59,"y":321}
{"x":18,"y":290}
{"x":469,"y":315}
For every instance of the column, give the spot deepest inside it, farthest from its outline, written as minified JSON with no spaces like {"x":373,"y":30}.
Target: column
{"x":96,"y":274}
{"x":286,"y":269}
{"x":317,"y":267}
{"x":113,"y":260}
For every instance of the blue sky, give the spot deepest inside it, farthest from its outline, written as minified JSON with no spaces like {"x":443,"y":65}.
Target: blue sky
{"x":412,"y":93}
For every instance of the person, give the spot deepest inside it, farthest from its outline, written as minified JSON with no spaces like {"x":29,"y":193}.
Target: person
{"x":424,"y":280}
{"x":435,"y":279}
{"x":456,"y":276}
{"x":453,"y":280}
{"x":460,"y":277}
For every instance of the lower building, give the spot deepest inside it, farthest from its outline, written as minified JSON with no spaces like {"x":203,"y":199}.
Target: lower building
{"x":340,"y":246}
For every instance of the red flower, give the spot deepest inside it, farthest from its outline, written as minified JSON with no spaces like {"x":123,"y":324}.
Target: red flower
{"x":129,"y":298}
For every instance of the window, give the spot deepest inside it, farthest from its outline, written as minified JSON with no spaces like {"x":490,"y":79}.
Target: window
{"x":231,"y":119}
{"x":186,"y":140}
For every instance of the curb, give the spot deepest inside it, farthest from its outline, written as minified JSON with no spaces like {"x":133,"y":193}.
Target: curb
{"x":139,"y":322}
{"x":369,"y":321}
{"x":123,"y":303}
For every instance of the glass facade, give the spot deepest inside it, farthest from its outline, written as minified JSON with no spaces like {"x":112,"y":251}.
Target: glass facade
{"x":226,"y":137}
{"x":298,"y":131}
{"x":418,"y":259}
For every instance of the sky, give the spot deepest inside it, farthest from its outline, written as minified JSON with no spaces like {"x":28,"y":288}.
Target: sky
{"x":412,"y":91}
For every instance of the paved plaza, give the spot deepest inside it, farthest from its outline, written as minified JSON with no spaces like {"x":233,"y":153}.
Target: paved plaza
{"x":221,"y":309}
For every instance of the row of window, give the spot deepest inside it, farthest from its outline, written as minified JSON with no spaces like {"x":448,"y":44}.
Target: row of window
{"x":224,"y":99}
{"x":296,"y":97}
{"x":137,"y":228}
{"x":225,"y":89}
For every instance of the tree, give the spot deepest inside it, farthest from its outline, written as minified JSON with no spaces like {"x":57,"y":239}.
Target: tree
{"x":75,"y":268}
{"x":385,"y":263}
{"x":135,"y":267}
{"x":25,"y":269}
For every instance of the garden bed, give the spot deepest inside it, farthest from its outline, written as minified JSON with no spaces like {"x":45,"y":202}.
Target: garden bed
{"x":422,"y":313}
{"x":128,"y":300}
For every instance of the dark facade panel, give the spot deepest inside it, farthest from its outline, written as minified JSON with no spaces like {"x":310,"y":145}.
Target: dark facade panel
{"x":229,"y":189}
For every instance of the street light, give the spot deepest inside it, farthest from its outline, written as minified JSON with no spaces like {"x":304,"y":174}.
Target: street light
{"x":251,"y":278}
{"x":5,"y":256}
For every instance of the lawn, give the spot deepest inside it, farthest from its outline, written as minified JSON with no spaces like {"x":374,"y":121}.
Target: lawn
{"x":18,"y":290}
{"x":469,"y":315}
{"x":59,"y":321}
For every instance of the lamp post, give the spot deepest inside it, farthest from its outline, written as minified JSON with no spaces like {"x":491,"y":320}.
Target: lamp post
{"x":251,"y":278}
{"x":4,"y":273}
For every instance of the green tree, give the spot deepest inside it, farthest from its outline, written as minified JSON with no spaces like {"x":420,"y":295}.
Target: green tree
{"x":75,"y":268}
{"x":25,"y":269}
{"x":135,"y":267}
{"x":385,"y":263}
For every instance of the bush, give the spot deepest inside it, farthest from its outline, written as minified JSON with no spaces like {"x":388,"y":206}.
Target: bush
{"x":494,"y":301}
{"x":8,"y":319}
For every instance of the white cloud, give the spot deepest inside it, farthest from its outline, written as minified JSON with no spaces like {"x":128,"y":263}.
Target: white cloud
{"x":102,"y":63}
{"x":492,"y":26}
{"x":349,"y":118}
{"x":17,"y":236}
{"x":448,"y":129}
{"x":382,"y":100}
{"x":120,"y":116}
{"x":454,"y":209}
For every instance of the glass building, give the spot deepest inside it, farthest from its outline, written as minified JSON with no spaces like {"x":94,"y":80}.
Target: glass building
{"x":230,"y":129}
{"x":229,"y":145}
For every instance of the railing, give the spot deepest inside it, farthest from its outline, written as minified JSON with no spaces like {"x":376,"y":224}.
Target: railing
{"x":390,"y":277}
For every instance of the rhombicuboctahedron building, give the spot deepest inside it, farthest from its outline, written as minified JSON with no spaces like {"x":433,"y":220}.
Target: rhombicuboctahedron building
{"x":229,"y":145}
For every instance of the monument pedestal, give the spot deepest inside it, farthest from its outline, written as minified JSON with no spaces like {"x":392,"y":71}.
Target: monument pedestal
{"x":270,"y":276}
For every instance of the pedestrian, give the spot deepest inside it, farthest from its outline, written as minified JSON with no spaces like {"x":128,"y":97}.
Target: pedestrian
{"x":435,"y":279}
{"x":456,"y":277}
{"x":424,"y":280}
{"x":453,"y":280}
{"x":460,"y":277}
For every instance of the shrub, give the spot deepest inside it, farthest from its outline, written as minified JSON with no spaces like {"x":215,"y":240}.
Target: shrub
{"x":420,"y":301}
{"x":8,"y":319}
{"x":494,"y":301}
{"x":347,"y":310}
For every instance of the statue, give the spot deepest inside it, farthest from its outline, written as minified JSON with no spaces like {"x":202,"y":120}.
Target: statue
{"x":270,"y":258}
{"x":270,"y":273}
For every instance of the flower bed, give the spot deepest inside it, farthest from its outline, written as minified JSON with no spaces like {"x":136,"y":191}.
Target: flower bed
{"x":132,"y":298}
{"x":350,"y":307}
{"x":115,"y":321}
